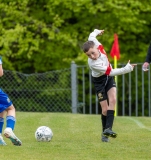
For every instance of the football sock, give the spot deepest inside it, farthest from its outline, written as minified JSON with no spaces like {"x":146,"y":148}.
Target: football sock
{"x":10,"y":122}
{"x":1,"y":124}
{"x":103,"y":118}
{"x":109,"y":119}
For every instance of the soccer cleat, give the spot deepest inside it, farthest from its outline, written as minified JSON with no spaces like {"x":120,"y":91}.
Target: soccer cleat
{"x":9,"y":134}
{"x":104,"y":138}
{"x":2,"y":142}
{"x":109,"y":133}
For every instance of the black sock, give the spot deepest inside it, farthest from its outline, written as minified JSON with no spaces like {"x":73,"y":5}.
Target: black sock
{"x":103,"y":118}
{"x":109,"y":119}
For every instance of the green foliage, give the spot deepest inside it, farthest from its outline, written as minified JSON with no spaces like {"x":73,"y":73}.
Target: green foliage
{"x":37,"y":35}
{"x":40,"y":35}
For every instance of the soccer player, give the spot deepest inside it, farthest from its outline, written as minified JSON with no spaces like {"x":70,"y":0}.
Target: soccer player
{"x":102,"y":77}
{"x":148,"y":59}
{"x":6,"y":107}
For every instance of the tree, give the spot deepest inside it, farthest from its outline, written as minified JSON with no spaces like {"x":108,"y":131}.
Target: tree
{"x":40,"y":35}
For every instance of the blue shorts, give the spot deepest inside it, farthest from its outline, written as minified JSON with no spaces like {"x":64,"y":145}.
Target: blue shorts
{"x":5,"y":102}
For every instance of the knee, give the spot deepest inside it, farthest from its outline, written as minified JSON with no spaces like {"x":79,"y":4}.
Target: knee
{"x":112,"y":101}
{"x":104,"y":112}
{"x":11,"y":108}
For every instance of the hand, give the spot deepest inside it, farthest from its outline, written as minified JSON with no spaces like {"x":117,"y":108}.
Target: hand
{"x":102,"y":31}
{"x":145,"y":66}
{"x":133,"y":65}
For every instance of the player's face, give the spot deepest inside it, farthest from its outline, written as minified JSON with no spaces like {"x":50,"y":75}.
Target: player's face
{"x":93,"y":53}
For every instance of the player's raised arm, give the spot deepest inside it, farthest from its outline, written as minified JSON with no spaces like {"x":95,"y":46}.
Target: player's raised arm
{"x":92,"y":36}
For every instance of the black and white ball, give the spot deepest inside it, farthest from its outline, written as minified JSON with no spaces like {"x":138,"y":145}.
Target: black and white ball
{"x":43,"y":134}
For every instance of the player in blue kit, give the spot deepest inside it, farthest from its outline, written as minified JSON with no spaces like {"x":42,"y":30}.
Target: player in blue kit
{"x":6,"y":107}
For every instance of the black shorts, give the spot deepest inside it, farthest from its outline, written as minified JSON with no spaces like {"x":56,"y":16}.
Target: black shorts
{"x":102,"y":85}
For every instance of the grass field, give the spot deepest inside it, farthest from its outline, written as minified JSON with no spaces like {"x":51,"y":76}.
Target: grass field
{"x":77,"y":137}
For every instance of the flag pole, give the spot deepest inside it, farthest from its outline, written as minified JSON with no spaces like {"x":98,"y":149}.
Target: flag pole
{"x":115,"y":54}
{"x":115,"y":66}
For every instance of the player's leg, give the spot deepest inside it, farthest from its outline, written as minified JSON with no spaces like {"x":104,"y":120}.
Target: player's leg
{"x":6,"y":105}
{"x":110,"y":113}
{"x":104,"y":106}
{"x":99,"y":84}
{"x":2,"y":114}
{"x":102,"y":96}
{"x":110,"y":89}
{"x":10,"y":117}
{"x":10,"y":124}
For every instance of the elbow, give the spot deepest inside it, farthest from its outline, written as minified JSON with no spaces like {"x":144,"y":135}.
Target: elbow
{"x":91,"y":38}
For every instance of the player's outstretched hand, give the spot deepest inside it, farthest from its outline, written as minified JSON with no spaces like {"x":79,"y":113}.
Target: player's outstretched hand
{"x":133,"y":65}
{"x":145,"y":66}
{"x":102,"y":31}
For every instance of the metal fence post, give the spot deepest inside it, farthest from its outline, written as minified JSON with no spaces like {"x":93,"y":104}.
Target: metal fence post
{"x":74,"y":86}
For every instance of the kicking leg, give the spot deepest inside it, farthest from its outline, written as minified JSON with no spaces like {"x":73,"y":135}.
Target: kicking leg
{"x":110,"y":113}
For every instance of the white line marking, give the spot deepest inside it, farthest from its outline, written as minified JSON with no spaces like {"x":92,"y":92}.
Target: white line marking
{"x":141,"y":125}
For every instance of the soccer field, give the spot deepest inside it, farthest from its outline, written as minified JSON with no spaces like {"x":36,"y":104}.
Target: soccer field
{"x":77,"y":137}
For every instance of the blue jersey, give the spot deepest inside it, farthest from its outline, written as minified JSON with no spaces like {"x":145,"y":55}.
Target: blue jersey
{"x":5,"y":102}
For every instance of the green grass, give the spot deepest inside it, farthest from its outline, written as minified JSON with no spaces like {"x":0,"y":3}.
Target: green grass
{"x":77,"y":137}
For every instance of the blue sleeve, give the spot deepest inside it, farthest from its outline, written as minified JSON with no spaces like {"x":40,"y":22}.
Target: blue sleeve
{"x":0,"y":60}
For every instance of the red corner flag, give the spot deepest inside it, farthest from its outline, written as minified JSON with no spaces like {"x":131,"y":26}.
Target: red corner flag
{"x":115,"y":48}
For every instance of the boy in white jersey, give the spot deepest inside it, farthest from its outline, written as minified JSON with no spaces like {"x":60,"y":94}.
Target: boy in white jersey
{"x":102,"y":77}
{"x":6,"y":107}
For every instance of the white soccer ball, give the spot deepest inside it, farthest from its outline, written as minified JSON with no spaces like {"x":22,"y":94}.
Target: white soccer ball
{"x":43,"y":134}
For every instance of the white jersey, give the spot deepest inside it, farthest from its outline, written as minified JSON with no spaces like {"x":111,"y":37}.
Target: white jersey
{"x":102,"y":66}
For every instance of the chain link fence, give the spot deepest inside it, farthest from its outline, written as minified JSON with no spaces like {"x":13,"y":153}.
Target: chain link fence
{"x":71,"y":90}
{"x":39,"y":92}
